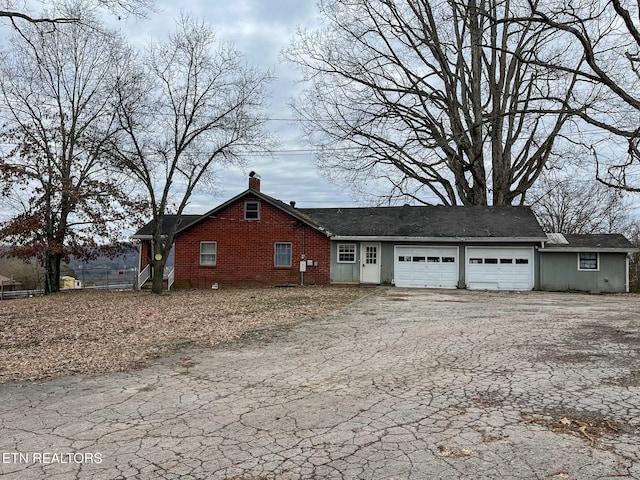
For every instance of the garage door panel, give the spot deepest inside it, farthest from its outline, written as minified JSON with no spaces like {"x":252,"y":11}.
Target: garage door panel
{"x":435,"y":267}
{"x":500,"y":268}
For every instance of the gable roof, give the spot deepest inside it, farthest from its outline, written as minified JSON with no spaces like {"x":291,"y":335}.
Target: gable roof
{"x":437,"y":223}
{"x":595,"y":242}
{"x":188,"y":221}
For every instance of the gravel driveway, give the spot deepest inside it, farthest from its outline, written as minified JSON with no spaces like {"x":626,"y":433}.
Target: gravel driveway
{"x":402,"y":384}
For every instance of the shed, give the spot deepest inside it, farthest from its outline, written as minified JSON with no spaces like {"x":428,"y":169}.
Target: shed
{"x":586,"y":262}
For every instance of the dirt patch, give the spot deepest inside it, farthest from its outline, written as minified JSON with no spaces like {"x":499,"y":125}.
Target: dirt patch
{"x":96,"y":331}
{"x":630,"y":380}
{"x":586,"y":426}
{"x":613,"y":334}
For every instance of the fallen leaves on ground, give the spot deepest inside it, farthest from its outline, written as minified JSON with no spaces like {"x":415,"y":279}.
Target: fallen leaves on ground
{"x":102,"y":331}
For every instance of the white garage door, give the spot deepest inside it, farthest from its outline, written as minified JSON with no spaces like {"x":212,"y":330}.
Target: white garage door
{"x":500,"y":268}
{"x":435,"y":267}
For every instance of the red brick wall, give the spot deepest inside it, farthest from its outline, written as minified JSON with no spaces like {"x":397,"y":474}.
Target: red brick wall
{"x":145,"y":254}
{"x":245,"y":250}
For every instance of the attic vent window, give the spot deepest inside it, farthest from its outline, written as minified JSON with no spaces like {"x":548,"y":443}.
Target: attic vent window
{"x":252,"y":210}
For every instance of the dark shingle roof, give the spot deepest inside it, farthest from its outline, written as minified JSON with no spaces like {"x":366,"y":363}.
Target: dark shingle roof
{"x":169,"y":221}
{"x":594,"y":241}
{"x":429,"y":221}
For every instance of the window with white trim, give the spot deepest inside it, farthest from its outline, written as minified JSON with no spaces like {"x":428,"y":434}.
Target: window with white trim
{"x":346,"y":253}
{"x":282,"y":255}
{"x":588,"y":261}
{"x":208,"y":253}
{"x":252,"y":210}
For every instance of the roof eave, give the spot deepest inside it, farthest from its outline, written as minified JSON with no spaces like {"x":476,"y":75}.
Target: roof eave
{"x":589,"y":249}
{"x":404,"y":238}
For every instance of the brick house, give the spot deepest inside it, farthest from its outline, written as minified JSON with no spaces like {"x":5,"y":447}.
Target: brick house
{"x":255,"y":239}
{"x":250,"y":240}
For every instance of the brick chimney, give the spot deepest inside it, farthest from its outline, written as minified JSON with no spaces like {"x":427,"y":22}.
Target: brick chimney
{"x":254,"y":181}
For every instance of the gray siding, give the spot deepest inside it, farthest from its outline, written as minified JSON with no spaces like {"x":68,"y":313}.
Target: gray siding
{"x":344,"y":272}
{"x":350,"y":272}
{"x":559,"y":272}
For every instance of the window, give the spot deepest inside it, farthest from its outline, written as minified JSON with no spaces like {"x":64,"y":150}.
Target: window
{"x":448,"y":259}
{"x":433,"y":259}
{"x":282,"y":257}
{"x":492,"y":261}
{"x":522,"y":261}
{"x":252,"y":210}
{"x":475,"y":260}
{"x":506,"y":261}
{"x":404,"y":258}
{"x":208,"y":253}
{"x":346,"y":253}
{"x":587,"y":261}
{"x":419,"y":259}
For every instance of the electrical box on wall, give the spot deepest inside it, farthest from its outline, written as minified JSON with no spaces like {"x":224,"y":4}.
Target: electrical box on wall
{"x":303,"y":266}
{"x":309,"y":263}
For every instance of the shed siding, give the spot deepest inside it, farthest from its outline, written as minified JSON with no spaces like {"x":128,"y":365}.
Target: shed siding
{"x":245,"y":250}
{"x":559,"y":272}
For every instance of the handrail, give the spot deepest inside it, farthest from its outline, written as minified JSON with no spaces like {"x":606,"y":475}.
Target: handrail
{"x":171,"y":278}
{"x":144,"y":275}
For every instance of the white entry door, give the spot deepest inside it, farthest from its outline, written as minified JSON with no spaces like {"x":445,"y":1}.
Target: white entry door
{"x":370,"y":263}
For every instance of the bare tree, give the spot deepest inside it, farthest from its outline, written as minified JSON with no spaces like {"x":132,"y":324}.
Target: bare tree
{"x":607,"y":32}
{"x":192,"y":107}
{"x":579,"y":204}
{"x":18,"y":11}
{"x":56,"y":87}
{"x":436,"y":99}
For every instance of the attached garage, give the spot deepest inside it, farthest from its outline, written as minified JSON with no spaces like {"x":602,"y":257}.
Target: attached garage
{"x":423,"y":266}
{"x":500,"y":268}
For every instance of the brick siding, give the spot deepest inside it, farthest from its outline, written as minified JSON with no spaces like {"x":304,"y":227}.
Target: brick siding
{"x":245,"y":250}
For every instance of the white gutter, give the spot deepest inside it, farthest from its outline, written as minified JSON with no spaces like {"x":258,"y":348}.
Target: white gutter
{"x":628,"y":283}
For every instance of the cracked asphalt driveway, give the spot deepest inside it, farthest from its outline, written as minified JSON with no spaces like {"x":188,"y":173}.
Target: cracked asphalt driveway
{"x":403,"y":384}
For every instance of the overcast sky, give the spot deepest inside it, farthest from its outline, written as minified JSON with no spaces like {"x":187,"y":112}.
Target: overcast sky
{"x":260,"y":29}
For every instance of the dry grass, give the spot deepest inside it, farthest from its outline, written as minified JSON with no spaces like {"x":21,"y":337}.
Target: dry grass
{"x":95,"y":331}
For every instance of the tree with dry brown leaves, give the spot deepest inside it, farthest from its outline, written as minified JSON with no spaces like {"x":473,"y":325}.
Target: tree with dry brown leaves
{"x":62,"y":198}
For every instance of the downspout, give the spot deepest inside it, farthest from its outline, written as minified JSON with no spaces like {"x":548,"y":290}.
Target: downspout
{"x":628,"y":280}
{"x":304,"y":256}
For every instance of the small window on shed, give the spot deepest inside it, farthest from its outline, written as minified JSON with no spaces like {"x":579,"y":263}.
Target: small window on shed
{"x":252,"y":210}
{"x":587,"y":261}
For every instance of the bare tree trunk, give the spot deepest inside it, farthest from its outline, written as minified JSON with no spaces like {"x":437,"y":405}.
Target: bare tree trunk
{"x":158,"y":276}
{"x":52,"y":275}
